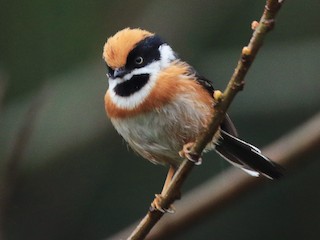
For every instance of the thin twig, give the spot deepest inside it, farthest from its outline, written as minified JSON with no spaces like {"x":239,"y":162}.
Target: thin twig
{"x":225,"y":188}
{"x":16,"y":154}
{"x":224,"y":100}
{"x":231,"y":184}
{"x":3,"y":87}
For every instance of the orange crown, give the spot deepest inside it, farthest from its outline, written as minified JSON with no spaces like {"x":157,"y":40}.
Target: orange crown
{"x":118,"y":47}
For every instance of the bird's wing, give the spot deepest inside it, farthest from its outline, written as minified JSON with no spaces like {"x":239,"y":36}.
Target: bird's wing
{"x":227,"y":124}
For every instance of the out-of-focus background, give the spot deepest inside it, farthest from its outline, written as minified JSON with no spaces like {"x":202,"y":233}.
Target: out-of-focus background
{"x":77,"y":180}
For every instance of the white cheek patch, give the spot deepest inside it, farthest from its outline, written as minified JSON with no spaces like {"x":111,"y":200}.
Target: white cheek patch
{"x":114,"y":82}
{"x":167,"y":55}
{"x":151,"y":69}
{"x":134,"y":100}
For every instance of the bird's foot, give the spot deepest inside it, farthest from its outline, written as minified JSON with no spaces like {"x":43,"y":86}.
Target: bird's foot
{"x":155,"y":205}
{"x":186,"y":153}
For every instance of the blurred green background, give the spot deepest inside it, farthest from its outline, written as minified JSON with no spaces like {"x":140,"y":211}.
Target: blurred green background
{"x":77,"y":180}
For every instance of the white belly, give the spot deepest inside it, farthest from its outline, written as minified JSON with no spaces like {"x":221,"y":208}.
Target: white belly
{"x":160,"y":134}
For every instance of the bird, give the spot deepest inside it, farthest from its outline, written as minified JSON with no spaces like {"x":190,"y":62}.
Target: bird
{"x":159,"y":104}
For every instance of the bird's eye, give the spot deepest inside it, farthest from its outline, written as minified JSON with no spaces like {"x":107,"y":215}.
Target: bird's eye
{"x":139,"y":60}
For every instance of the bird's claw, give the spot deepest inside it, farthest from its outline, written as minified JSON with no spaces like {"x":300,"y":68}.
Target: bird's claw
{"x":155,"y":205}
{"x":186,"y":153}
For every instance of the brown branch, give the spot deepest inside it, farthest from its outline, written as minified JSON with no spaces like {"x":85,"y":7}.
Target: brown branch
{"x":231,"y":184}
{"x":3,"y":87}
{"x":225,"y":188}
{"x":224,"y":100}
{"x":16,"y":155}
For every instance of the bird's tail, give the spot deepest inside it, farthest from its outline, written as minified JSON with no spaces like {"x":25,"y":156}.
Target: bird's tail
{"x":247,"y":157}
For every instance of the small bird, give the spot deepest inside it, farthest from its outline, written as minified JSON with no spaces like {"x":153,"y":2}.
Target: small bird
{"x":159,"y":104}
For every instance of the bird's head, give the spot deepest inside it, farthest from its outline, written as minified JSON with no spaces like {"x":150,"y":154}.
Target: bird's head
{"x":134,"y":57}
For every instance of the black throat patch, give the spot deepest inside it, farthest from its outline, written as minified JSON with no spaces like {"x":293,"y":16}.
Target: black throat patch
{"x":129,"y":87}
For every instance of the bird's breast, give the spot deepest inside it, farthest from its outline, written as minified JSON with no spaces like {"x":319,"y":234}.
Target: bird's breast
{"x":159,"y":135}
{"x":175,"y":111}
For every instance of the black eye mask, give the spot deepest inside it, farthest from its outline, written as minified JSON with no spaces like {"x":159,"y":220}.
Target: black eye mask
{"x":145,"y":52}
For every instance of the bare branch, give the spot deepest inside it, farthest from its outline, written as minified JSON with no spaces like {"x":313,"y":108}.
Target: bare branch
{"x":225,"y":188}
{"x":3,"y":87}
{"x":224,"y":100}
{"x":16,"y":155}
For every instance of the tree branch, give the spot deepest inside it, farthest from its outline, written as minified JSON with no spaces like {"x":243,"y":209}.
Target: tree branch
{"x":3,"y":87}
{"x":225,"y":188}
{"x":223,"y":102}
{"x":232,"y":183}
{"x":16,"y":154}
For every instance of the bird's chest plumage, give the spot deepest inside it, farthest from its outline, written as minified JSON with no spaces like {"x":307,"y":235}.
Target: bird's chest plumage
{"x":172,"y":114}
{"x":159,"y":135}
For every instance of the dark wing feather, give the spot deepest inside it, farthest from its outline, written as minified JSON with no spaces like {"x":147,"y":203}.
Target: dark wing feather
{"x":236,"y":151}
{"x":227,"y":125}
{"x":247,"y":156}
{"x":204,"y":82}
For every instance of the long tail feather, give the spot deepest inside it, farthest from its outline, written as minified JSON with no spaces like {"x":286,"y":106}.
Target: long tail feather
{"x":246,"y":156}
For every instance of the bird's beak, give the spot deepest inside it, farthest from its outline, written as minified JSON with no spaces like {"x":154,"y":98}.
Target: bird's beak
{"x":120,"y":72}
